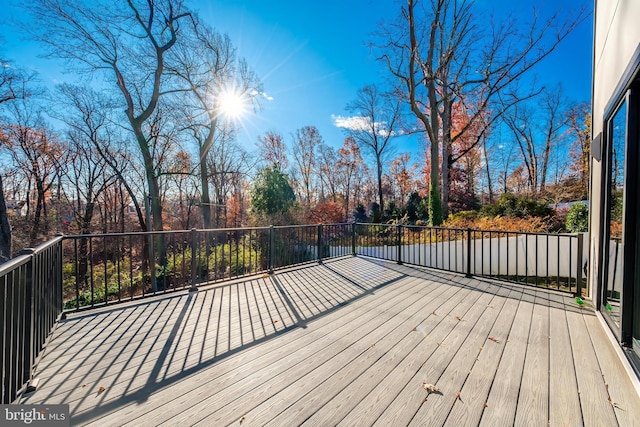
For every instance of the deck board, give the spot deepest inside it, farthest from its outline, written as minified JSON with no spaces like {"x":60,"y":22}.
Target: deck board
{"x":477,"y":385}
{"x":347,"y":342}
{"x":502,"y":401}
{"x":400,"y":404}
{"x":594,"y":398}
{"x":533,"y":399}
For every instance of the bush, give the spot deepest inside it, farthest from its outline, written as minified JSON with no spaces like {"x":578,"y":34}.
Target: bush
{"x":517,"y":207}
{"x":577,"y":218}
{"x":501,"y":223}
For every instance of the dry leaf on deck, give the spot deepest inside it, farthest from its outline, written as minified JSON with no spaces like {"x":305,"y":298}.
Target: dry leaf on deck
{"x":494,"y":339}
{"x":430,"y":388}
{"x":101,"y":390}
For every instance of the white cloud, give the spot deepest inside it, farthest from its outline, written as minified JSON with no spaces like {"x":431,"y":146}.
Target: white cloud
{"x":361,"y":123}
{"x":261,"y":94}
{"x":352,"y":123}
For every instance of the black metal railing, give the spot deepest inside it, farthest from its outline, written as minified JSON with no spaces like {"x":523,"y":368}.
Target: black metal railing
{"x":72,"y":273}
{"x":30,"y":304}
{"x":553,"y":261}
{"x":102,"y":269}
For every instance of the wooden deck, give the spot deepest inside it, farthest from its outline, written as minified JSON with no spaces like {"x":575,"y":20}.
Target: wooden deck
{"x":349,"y":342}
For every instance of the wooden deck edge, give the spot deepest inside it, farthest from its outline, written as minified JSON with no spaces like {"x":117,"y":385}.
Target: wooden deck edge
{"x":635,"y":381}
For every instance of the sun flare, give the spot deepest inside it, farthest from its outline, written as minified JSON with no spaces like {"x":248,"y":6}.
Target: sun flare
{"x":232,"y":104}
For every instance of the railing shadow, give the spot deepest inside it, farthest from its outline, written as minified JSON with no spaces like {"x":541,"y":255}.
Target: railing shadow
{"x":118,"y":357}
{"x":104,"y":361}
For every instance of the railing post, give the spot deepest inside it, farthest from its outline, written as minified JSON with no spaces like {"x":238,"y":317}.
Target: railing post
{"x":468,"y":253}
{"x":579,"y":265}
{"x":353,"y":238}
{"x":29,"y":333}
{"x":271,"y":248}
{"x":194,"y":251}
{"x":399,"y":238}
{"x":319,"y":243}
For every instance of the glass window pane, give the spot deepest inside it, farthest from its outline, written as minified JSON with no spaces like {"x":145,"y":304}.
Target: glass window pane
{"x":613,"y":280}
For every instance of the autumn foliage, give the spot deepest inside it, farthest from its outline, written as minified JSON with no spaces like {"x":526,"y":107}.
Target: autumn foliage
{"x":325,"y":213}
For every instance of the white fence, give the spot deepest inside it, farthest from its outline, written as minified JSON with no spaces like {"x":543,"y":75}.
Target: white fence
{"x":522,"y":255}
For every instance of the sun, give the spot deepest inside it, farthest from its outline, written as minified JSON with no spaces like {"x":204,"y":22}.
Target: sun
{"x":232,"y":104}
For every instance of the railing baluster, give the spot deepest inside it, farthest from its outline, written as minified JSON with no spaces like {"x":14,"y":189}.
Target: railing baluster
{"x":469,"y":254}
{"x":193,"y":236}
{"x":579,"y":265}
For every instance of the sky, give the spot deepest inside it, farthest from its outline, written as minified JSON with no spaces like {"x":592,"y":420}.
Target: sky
{"x":312,"y":56}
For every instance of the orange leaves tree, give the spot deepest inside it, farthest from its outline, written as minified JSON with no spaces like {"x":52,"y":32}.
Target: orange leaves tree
{"x":402,"y":175}
{"x":351,"y":169}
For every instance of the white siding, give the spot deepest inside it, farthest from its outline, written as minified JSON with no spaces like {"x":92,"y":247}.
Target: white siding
{"x":616,"y":38}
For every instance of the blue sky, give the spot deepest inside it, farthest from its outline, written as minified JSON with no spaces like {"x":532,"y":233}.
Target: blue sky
{"x":312,"y":56}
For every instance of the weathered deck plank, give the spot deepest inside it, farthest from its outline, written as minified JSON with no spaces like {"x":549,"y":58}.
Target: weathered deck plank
{"x":337,"y":350}
{"x":348,"y":342}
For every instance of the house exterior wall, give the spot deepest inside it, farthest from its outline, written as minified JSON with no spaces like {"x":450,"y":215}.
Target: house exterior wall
{"x":616,"y":39}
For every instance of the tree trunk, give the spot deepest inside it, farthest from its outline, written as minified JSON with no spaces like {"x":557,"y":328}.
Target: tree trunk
{"x":37,"y":216}
{"x":205,"y":199}
{"x":379,"y":172}
{"x":5,"y":228}
{"x":435,"y":202}
{"x":486,"y":164}
{"x":154,"y":192}
{"x":446,"y":154}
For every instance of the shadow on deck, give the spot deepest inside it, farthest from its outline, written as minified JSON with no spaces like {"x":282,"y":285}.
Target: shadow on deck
{"x":350,"y":341}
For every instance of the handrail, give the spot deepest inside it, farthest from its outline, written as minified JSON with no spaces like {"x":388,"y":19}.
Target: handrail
{"x":30,"y":305}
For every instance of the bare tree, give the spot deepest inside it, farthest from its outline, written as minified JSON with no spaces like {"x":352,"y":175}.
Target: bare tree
{"x":579,"y":122}
{"x":227,"y":163}
{"x":305,"y":143}
{"x":327,"y":159}
{"x":209,"y":67}
{"x":536,"y":132}
{"x":129,"y":42}
{"x":14,"y":84}
{"x":5,"y":227}
{"x":350,"y":168}
{"x":377,"y":116}
{"x":438,"y":54}
{"x":88,"y":115}
{"x":37,"y":152}
{"x":273,"y":149}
